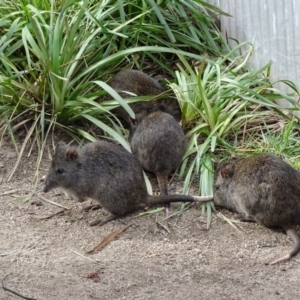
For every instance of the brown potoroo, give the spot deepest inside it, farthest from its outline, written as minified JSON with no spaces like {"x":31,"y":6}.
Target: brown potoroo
{"x":159,"y":143}
{"x":141,"y":84}
{"x":107,"y":173}
{"x":263,"y":189}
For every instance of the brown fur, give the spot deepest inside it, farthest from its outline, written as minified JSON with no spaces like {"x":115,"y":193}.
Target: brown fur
{"x":107,"y":173}
{"x":141,"y":84}
{"x":264,"y":189}
{"x":159,"y":144}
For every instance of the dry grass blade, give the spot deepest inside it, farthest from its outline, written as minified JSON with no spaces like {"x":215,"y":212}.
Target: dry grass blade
{"x":163,"y":226}
{"x":7,"y":254}
{"x":9,"y":192}
{"x":229,"y":221}
{"x":92,"y":260}
{"x":15,"y":127}
{"x":33,"y":126}
{"x":54,"y":203}
{"x":109,"y":238}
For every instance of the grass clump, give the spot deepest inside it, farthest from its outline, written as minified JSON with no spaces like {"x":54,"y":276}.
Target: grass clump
{"x":58,"y":56}
{"x":224,"y":104}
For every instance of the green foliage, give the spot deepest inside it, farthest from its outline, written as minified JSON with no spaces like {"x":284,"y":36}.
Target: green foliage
{"x":54,"y":51}
{"x":221,"y":102}
{"x":56,"y":58}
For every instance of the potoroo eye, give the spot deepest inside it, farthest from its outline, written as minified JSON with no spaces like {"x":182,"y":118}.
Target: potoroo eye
{"x":60,"y":171}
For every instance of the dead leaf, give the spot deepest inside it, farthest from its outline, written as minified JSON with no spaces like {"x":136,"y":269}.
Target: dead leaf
{"x":109,"y":238}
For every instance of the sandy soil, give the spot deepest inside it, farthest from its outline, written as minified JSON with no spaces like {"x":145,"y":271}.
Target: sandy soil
{"x":47,"y":259}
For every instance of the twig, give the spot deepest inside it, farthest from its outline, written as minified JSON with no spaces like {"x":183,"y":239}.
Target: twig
{"x":54,"y":203}
{"x":49,"y":217}
{"x":13,"y":292}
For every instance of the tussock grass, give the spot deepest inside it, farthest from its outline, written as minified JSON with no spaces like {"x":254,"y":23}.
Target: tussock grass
{"x":57,"y":58}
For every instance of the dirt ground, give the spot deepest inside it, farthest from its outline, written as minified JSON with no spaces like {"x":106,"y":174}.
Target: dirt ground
{"x":47,"y":258}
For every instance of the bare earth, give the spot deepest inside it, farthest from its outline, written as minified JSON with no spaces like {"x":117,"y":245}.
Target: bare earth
{"x":47,"y":259}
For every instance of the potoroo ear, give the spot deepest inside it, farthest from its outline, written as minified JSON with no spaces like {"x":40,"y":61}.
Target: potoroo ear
{"x":228,"y":171}
{"x":71,"y":154}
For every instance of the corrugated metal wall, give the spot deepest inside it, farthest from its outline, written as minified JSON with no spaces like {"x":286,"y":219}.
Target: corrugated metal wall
{"x":274,"y":29}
